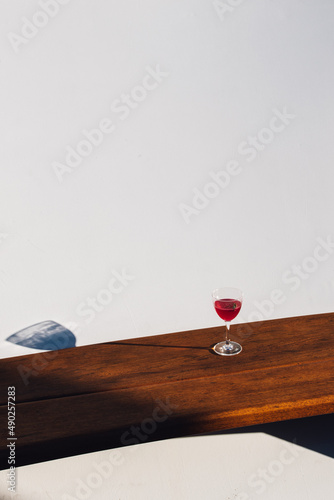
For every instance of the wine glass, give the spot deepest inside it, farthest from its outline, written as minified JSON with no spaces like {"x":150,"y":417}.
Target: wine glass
{"x":227,"y":302}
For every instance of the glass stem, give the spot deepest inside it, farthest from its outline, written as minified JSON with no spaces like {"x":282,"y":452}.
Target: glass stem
{"x":228,"y":323}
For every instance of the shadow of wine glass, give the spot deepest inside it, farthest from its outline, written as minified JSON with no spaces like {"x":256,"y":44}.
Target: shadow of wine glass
{"x":46,"y":335}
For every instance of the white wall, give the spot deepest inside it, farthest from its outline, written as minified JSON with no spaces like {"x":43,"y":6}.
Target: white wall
{"x":226,"y":72}
{"x":238,"y":467}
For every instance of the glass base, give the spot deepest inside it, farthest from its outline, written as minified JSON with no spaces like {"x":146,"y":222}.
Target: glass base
{"x":227,"y":349}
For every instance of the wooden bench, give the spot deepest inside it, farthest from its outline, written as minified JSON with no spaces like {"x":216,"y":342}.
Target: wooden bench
{"x":103,"y":396}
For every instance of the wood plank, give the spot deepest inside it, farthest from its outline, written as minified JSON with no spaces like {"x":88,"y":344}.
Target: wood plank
{"x":88,"y":398}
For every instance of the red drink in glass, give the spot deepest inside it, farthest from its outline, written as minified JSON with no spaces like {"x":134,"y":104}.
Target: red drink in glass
{"x":227,"y":302}
{"x":227,"y":309}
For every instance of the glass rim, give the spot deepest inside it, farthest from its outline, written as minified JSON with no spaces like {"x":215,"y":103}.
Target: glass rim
{"x":237,"y":292}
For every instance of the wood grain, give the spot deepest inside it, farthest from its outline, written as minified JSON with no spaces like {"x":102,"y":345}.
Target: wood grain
{"x":118,"y":393}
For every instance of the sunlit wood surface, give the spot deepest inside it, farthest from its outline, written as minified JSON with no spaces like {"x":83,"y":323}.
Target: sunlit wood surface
{"x":109,"y":395}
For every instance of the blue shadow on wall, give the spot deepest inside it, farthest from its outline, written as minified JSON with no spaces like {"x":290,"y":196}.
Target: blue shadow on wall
{"x":47,"y":336}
